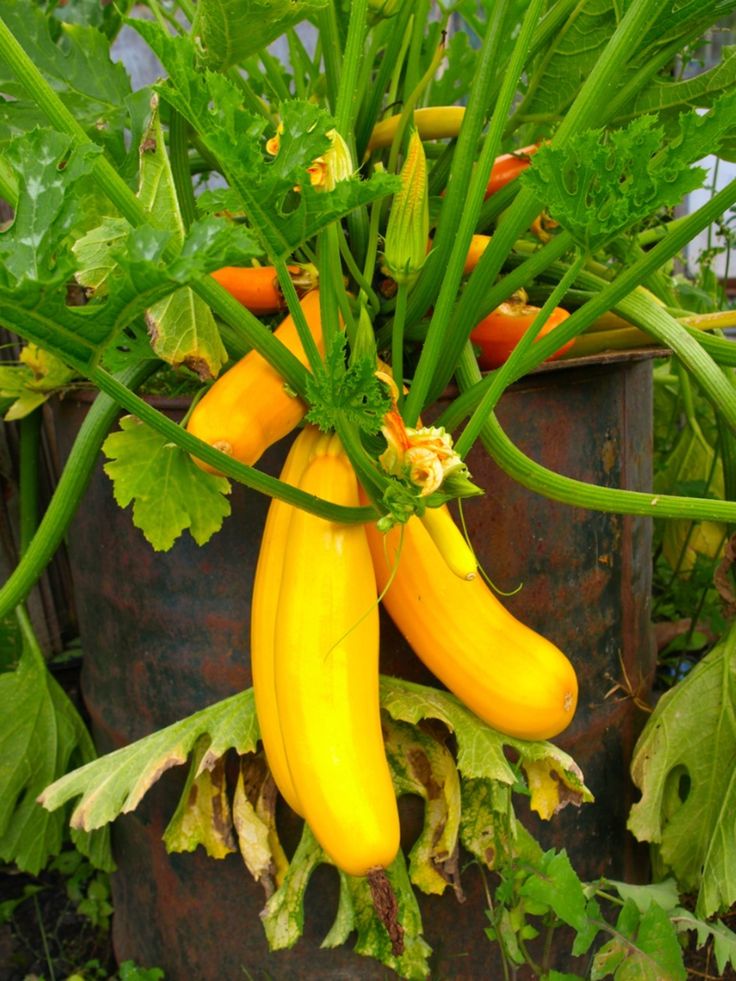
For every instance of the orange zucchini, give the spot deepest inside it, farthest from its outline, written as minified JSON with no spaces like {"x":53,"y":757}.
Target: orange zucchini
{"x":257,"y":287}
{"x":509,"y":675}
{"x":249,"y":408}
{"x":326,"y":666}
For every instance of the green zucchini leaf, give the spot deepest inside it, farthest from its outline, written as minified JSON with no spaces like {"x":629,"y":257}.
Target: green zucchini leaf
{"x":278,"y":199}
{"x":228,"y":31}
{"x":75,"y":60}
{"x":41,"y":735}
{"x":682,"y":764}
{"x":600,"y":184}
{"x":170,"y":492}
{"x":116,"y":783}
{"x":644,"y":948}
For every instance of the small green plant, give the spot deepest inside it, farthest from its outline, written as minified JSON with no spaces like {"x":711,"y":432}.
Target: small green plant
{"x":87,"y":887}
{"x":619,"y":930}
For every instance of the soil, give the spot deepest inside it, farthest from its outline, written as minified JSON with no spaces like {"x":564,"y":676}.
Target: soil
{"x":45,"y":937}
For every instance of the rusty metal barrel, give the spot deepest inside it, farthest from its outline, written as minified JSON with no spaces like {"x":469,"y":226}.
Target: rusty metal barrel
{"x":166,"y":634}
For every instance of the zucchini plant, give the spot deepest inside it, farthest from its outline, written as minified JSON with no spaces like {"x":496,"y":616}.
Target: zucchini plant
{"x":324,"y":239}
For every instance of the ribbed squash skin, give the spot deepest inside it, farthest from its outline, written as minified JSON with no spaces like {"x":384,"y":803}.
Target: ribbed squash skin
{"x":510,"y":676}
{"x":326,"y":663}
{"x":248,"y":408}
{"x":264,"y":607}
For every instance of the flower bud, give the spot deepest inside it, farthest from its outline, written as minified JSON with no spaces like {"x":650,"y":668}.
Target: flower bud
{"x":383,"y":9}
{"x":408,"y":224}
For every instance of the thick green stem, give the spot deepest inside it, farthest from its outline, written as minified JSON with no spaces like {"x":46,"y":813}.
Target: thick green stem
{"x":503,"y":376}
{"x":179,"y":156}
{"x":588,"y":109}
{"x":461,"y":205}
{"x":397,"y":342}
{"x":577,"y":492}
{"x":348,"y":93}
{"x":249,"y":476}
{"x":331,"y":51}
{"x":30,"y":446}
{"x":68,"y":493}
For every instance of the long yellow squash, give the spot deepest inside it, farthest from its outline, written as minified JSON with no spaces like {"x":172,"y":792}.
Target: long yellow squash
{"x":326,"y":662}
{"x":249,"y":408}
{"x":510,"y":676}
{"x":264,"y":606}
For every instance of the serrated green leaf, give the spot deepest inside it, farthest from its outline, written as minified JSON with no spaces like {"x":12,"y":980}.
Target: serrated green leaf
{"x":423,"y":766}
{"x":682,"y":764}
{"x":184,"y":334}
{"x":74,"y":59}
{"x":116,"y":783}
{"x":353,"y":393}
{"x":181,"y":326}
{"x":40,"y":732}
{"x":156,"y":189}
{"x":227,"y":31}
{"x":645,"y":948}
{"x":95,"y":254}
{"x":488,"y":826}
{"x":282,"y":217}
{"x":344,"y":922}
{"x":283,"y":914}
{"x":723,"y":939}
{"x":598,"y":185}
{"x":556,"y":884}
{"x":574,"y":52}
{"x":480,"y":749}
{"x":47,"y":166}
{"x":664,"y":893}
{"x":203,"y":815}
{"x":664,"y":96}
{"x":105,"y":17}
{"x":170,"y":492}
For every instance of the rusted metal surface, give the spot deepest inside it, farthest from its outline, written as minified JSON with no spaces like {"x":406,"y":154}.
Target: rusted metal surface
{"x":165,"y":635}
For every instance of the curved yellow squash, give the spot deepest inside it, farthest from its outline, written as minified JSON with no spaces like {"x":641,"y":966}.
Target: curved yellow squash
{"x":326,"y":662}
{"x":264,"y":606}
{"x":510,"y":676}
{"x":249,"y":408}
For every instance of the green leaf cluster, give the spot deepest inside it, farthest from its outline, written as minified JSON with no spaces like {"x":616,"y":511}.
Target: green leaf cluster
{"x":351,"y":392}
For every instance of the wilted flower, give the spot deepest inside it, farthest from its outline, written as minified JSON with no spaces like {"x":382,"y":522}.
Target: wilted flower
{"x":335,"y":164}
{"x":425,"y":456}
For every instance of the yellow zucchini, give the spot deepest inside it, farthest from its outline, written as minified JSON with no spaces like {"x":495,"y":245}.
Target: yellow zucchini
{"x":510,"y":676}
{"x":326,"y":663}
{"x":431,"y":122}
{"x":266,"y":589}
{"x":249,"y":408}
{"x":450,"y":541}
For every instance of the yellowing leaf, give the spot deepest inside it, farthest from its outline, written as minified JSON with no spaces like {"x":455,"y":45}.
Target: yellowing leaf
{"x":255,"y":824}
{"x":421,"y":765}
{"x":203,"y":815}
{"x":115,"y":784}
{"x":552,"y":787}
